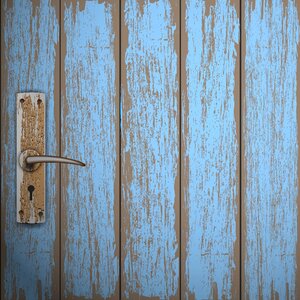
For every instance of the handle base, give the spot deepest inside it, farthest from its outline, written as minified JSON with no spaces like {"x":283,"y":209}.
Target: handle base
{"x":23,"y":160}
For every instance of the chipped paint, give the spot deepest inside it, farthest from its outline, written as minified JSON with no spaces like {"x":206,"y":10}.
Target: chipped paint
{"x":271,"y":148}
{"x":150,"y":150}
{"x":30,"y":138}
{"x":90,"y":133}
{"x":210,"y":155}
{"x":29,"y":61}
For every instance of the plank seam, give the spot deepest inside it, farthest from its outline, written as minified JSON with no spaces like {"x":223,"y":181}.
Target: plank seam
{"x":1,"y":147}
{"x":240,"y":136}
{"x":60,"y":153}
{"x":120,"y":155}
{"x":180,"y":140}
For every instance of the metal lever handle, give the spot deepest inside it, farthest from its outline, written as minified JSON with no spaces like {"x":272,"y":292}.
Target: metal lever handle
{"x":52,"y":159}
{"x":30,"y":160}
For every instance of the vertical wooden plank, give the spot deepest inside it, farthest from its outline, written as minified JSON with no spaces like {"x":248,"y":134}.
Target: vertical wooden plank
{"x":30,"y":62}
{"x":210,"y":149}
{"x":270,"y":148}
{"x":90,"y":132}
{"x":150,"y":149}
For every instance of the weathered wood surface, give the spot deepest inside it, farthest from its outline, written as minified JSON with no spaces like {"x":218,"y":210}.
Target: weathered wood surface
{"x":210,"y":149}
{"x":270,"y":149}
{"x":152,"y":244}
{"x":29,"y":62}
{"x":90,"y":132}
{"x":150,"y":149}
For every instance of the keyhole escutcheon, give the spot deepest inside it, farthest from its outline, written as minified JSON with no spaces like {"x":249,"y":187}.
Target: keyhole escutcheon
{"x":30,"y":190}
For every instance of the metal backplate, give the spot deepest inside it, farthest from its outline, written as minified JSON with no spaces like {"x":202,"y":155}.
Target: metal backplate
{"x":31,"y":137}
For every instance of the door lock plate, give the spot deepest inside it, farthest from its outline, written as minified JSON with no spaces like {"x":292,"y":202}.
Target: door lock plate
{"x":30,"y":140}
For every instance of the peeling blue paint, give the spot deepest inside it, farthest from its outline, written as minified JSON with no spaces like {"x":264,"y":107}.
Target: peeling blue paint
{"x":91,"y":264}
{"x":30,"y":61}
{"x":271,"y":148}
{"x":150,"y":151}
{"x":210,"y":157}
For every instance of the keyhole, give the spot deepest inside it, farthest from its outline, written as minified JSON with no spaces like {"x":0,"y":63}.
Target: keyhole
{"x":30,"y":189}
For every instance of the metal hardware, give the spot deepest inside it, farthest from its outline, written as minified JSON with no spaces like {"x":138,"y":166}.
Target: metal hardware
{"x":53,"y":159}
{"x":31,"y":158}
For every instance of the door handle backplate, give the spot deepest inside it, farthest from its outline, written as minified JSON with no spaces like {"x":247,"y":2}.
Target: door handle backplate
{"x":31,"y":158}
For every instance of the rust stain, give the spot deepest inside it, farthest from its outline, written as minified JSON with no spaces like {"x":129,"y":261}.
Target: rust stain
{"x":32,"y":137}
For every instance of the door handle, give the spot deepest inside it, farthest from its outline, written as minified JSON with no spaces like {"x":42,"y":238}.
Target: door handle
{"x":30,"y":160}
{"x":31,"y":173}
{"x":52,"y":159}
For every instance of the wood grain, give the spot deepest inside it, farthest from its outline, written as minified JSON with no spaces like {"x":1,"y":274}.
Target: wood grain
{"x":150,"y":149}
{"x":210,"y":149}
{"x":90,"y":133}
{"x":270,"y":149}
{"x":29,"y":62}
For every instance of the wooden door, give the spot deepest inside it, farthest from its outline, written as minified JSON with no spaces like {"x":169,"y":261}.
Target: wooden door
{"x":185,"y":112}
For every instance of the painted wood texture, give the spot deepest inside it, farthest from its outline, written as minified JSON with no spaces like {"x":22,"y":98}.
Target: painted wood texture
{"x":210,"y":101}
{"x":270,"y":211}
{"x":90,"y":132}
{"x":29,"y":62}
{"x":150,"y":149}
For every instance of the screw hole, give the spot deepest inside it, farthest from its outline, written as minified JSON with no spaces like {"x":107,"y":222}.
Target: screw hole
{"x":39,"y":102}
{"x":22,"y":101}
{"x":21,"y":212}
{"x":40,"y":214}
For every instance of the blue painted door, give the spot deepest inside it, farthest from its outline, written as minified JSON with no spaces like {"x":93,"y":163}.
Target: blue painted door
{"x":186,"y":114}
